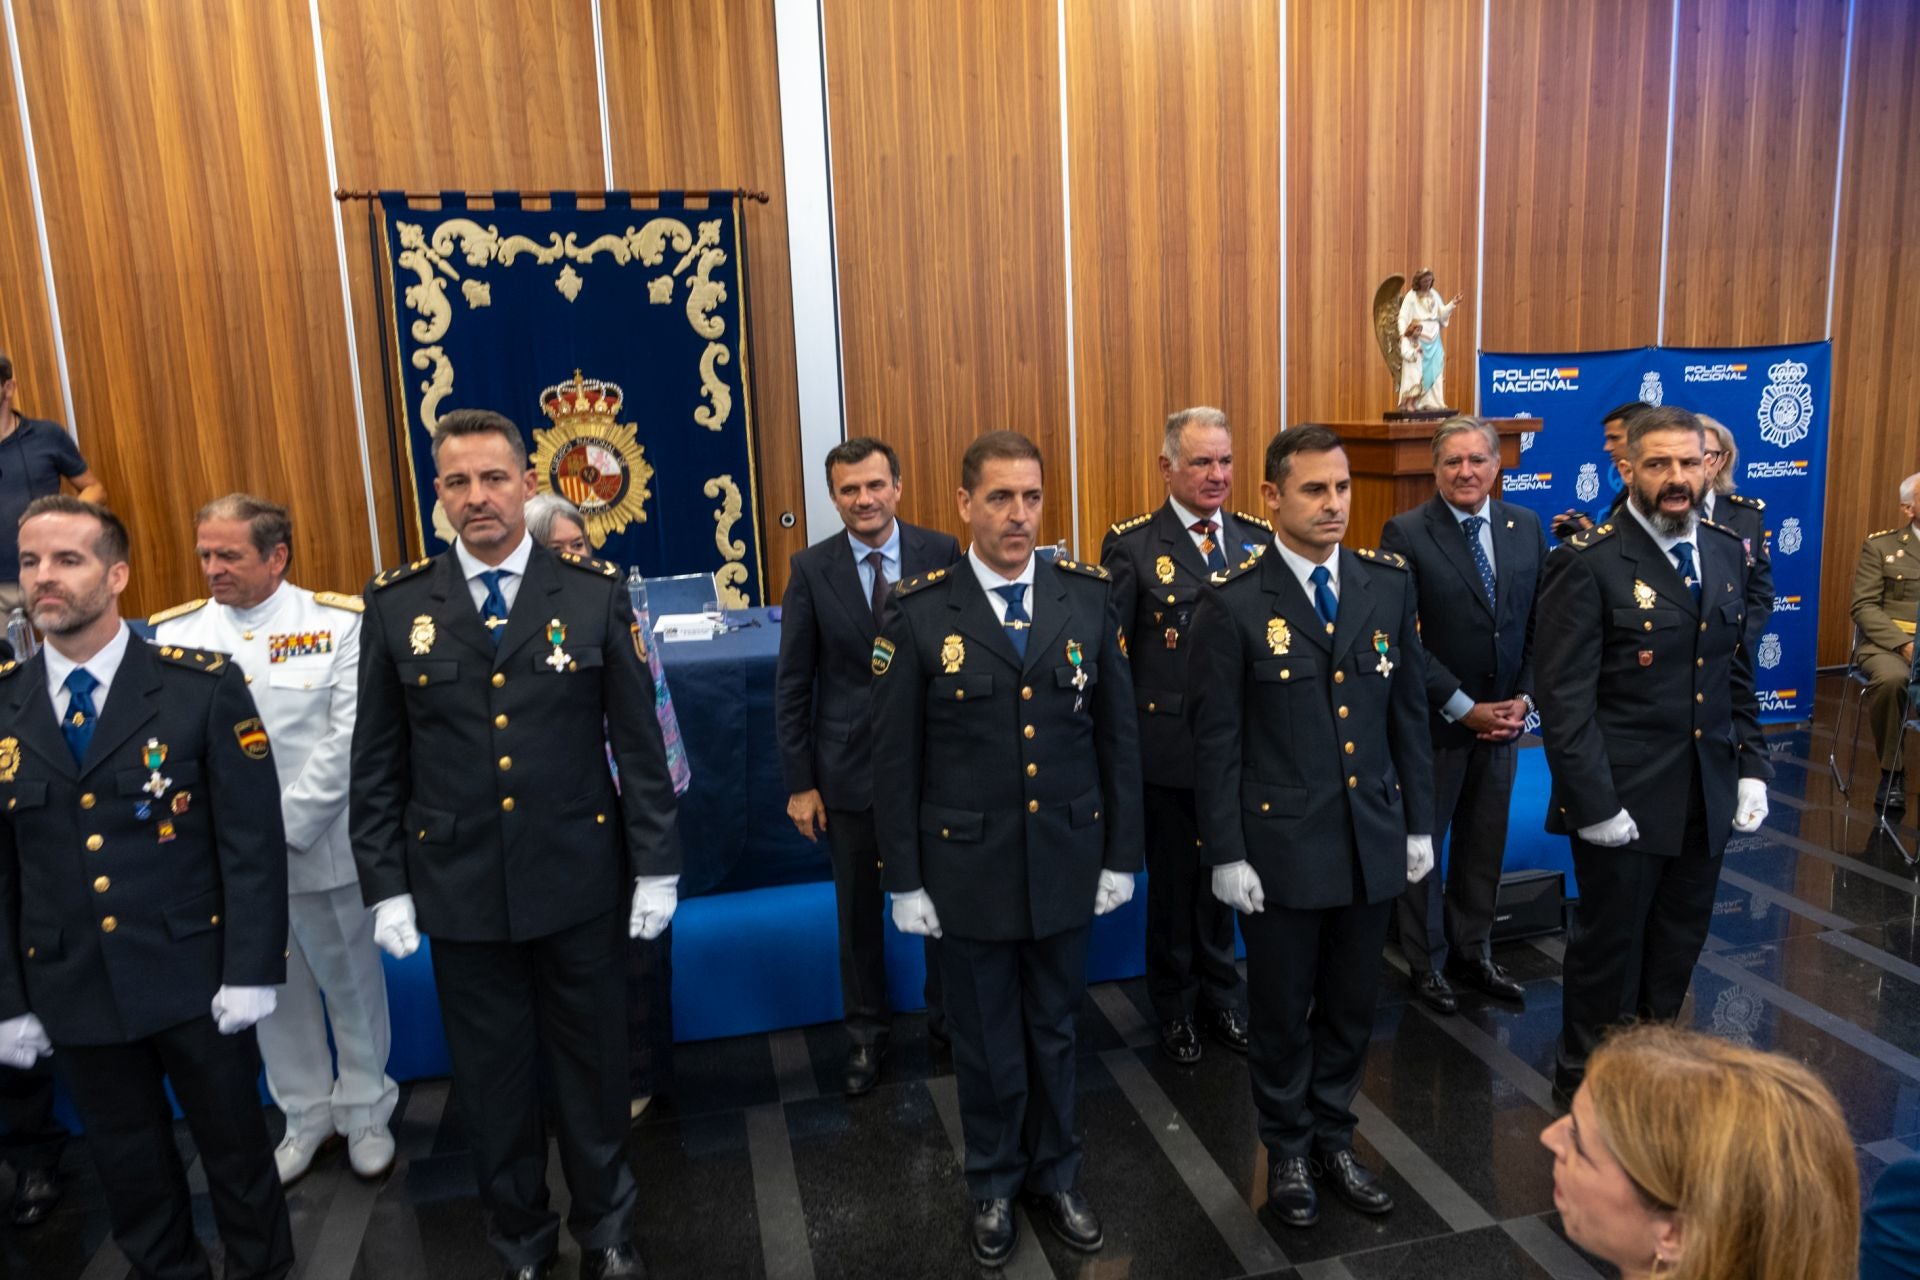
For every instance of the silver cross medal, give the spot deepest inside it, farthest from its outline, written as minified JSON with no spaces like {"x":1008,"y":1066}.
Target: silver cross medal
{"x":1384,"y":666}
{"x":1079,"y":676}
{"x":556,"y":636}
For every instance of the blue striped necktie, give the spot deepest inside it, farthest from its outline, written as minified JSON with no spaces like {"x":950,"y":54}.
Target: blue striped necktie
{"x":1016,"y":622}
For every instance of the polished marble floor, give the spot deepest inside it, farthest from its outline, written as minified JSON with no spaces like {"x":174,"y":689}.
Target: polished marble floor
{"x":757,"y":1166}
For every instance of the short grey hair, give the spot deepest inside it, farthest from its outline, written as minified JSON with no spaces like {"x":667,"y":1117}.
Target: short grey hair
{"x":1465,"y":422}
{"x":1909,"y":487}
{"x":1177,"y":423}
{"x":268,"y":524}
{"x":543,"y":509}
{"x":1723,"y":482}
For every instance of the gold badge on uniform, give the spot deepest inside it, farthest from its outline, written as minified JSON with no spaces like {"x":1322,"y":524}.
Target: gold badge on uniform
{"x":1279,"y":637}
{"x":1163,"y":568}
{"x":9,"y":758}
{"x":639,"y":642}
{"x":253,"y":737}
{"x":421,"y":637}
{"x":953,"y":652}
{"x":1643,"y":595}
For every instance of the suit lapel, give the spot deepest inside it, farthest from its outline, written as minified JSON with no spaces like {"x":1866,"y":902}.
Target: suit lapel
{"x":1291,"y":602}
{"x":1356,"y":603}
{"x":843,"y":576}
{"x":453,"y":605}
{"x":1509,"y":552}
{"x":973,"y":615}
{"x":916,"y":550}
{"x":1242,"y":539}
{"x":532,"y":606}
{"x":1721,"y":565}
{"x":31,"y":716}
{"x":130,"y":703}
{"x":1444,"y":529}
{"x":1656,"y":567}
{"x":1177,"y":541}
{"x":1050,"y":614}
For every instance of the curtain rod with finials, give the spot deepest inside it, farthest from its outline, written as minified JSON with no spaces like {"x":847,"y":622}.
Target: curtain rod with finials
{"x":343,"y":195}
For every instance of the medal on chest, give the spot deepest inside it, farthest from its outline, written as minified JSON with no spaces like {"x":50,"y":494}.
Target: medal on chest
{"x":1079,"y":674}
{"x":559,"y":659}
{"x":1380,"y":643}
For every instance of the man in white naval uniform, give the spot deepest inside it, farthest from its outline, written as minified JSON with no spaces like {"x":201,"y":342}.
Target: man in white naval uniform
{"x":300,"y":652}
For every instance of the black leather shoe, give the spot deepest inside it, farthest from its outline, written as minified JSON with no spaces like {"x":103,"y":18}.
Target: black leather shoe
{"x":1352,"y":1182}
{"x":1071,"y":1218}
{"x":994,"y":1232}
{"x":863,"y":1069}
{"x":1178,"y":1041}
{"x":1892,"y":795}
{"x":34,"y":1195}
{"x":1290,"y":1192}
{"x":532,"y":1271}
{"x":1488,"y":978}
{"x":621,"y":1260}
{"x":1227,"y":1026}
{"x":1435,"y":992}
{"x":937,"y":1033}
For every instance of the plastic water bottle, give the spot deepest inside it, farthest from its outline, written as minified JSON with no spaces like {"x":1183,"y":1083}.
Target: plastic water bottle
{"x":20,"y":635}
{"x":678,"y":766}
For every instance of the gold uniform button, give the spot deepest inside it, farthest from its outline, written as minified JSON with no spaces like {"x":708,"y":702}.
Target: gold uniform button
{"x":1352,"y":782}
{"x":109,"y":925}
{"x":87,"y":800}
{"x":1696,"y":733}
{"x":1151,"y":707}
{"x":944,"y":833}
{"x":1646,"y":626}
{"x":102,"y":884}
{"x":1703,"y":626}
{"x":213,"y":919}
{"x":959,"y":695}
{"x":93,"y":843}
{"x":1026,"y":693}
{"x":499,"y":722}
{"x":246,"y":635}
{"x":249,"y":679}
{"x":32,"y":952}
{"x":1343,"y":713}
{"x":1169,"y":599}
{"x":423,"y":834}
{"x":1286,"y":673}
{"x":1699,"y":697}
{"x":1033,"y":770}
{"x":1348,"y":748}
{"x":1033,"y":806}
{"x":506,"y":763}
{"x":421,"y":680}
{"x":499,"y":678}
{"x":506,"y":805}
{"x":1265,"y":807}
{"x":1028,"y":731}
{"x":1096,"y":815}
{"x":1339,"y":677}
{"x":600,"y":819}
{"x":1699,"y":662}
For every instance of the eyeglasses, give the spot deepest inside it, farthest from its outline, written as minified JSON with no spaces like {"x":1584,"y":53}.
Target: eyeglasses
{"x":1716,"y":453}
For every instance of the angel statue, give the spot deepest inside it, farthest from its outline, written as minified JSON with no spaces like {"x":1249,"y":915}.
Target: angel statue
{"x":1409,"y":336}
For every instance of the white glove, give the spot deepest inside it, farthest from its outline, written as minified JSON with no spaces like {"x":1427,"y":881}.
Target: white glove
{"x":1115,"y":890}
{"x":1616,"y":831}
{"x":237,"y":1008}
{"x":393,"y":927}
{"x":23,"y":1041}
{"x":1238,"y":885}
{"x":1750,"y":810}
{"x":914,"y":913}
{"x":1419,"y":858}
{"x":654,"y":901}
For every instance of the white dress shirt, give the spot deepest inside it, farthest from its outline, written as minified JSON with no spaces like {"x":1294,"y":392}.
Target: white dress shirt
{"x":1190,"y":518}
{"x":514,"y":566}
{"x":1667,"y":544}
{"x":1303,"y":568}
{"x":102,"y":666}
{"x":990,"y":578}
{"x":889,"y":558}
{"x":1485,"y":512}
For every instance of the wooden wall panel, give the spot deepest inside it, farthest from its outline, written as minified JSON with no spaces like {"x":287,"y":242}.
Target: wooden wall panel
{"x":693,"y":93}
{"x":1576,"y":150}
{"x":945,"y":127}
{"x":1174,"y":146}
{"x":1756,"y":138}
{"x":1383,"y":126}
{"x":26,"y":326}
{"x":193,"y":252}
{"x":1875,"y":439}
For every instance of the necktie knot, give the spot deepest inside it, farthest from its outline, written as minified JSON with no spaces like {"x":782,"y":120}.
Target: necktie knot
{"x":81,"y":682}
{"x":1472,"y":525}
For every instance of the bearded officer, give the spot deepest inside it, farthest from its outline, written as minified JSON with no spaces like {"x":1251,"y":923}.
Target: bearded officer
{"x":1006,"y":782}
{"x":1316,"y":804}
{"x":300,"y":652}
{"x":493,"y":678}
{"x":1160,"y":561}
{"x":143,"y":900}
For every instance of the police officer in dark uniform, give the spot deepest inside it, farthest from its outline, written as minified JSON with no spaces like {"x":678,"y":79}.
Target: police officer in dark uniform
{"x":1006,"y":782}
{"x":1314,"y":776}
{"x":143,"y":899}
{"x":483,"y":814}
{"x":1652,"y":734}
{"x":1159,"y":562}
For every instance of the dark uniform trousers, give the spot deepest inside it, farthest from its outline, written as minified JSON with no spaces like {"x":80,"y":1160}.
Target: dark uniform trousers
{"x":30,"y":1138}
{"x":1472,"y":790}
{"x":863,"y":931}
{"x":1190,"y":960}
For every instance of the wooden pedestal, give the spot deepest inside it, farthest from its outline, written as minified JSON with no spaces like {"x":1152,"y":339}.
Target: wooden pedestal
{"x":1392,"y":466}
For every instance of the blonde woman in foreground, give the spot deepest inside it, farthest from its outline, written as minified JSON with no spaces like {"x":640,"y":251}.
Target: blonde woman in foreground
{"x":1689,"y":1158}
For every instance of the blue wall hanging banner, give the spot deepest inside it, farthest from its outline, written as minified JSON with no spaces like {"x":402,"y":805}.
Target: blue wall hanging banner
{"x":615,"y":338}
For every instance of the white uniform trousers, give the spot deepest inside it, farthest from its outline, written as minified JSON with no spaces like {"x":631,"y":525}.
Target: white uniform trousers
{"x":330,"y":949}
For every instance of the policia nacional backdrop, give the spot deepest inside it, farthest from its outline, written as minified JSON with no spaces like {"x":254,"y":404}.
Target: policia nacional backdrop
{"x":1774,"y":400}
{"x":616,"y":339}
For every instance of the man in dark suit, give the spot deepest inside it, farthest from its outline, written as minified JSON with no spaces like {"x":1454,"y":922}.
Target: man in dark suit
{"x":1316,"y":804}
{"x":1006,"y":777}
{"x":836,"y":591}
{"x":1476,"y":566}
{"x":1160,"y":561}
{"x":143,"y":899}
{"x":483,"y":814}
{"x":1746,"y":516}
{"x":1648,"y":711}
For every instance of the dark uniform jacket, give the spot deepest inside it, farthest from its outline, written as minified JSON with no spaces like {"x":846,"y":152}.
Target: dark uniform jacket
{"x":114,"y":926}
{"x":1306,"y":754}
{"x":1158,"y":574}
{"x":1484,"y":651}
{"x":480,"y":780}
{"x":1001,"y":787}
{"x":1742,"y":516}
{"x":1638,"y":684}
{"x":823,"y":692}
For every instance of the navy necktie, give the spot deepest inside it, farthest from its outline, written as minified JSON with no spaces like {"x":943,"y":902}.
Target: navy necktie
{"x":77,"y":724}
{"x":1325,"y":603}
{"x":1216,"y":558}
{"x":1471,"y":526}
{"x":878,"y":563}
{"x":1683,"y":555}
{"x":493,"y":610}
{"x":1016,"y":622}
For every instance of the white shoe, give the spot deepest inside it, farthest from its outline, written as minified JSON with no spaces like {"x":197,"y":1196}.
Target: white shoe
{"x":296,"y":1153}
{"x":370,"y":1151}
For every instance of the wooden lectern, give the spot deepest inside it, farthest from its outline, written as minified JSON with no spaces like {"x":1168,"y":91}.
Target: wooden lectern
{"x":1392,"y":466}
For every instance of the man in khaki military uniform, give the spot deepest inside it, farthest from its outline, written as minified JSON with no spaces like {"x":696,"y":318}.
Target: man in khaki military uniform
{"x":1886,"y":593}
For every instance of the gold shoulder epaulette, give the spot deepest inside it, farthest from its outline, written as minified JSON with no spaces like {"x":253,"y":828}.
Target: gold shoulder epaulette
{"x":1090,"y":570}
{"x":1880,"y":534}
{"x":1720,"y":528}
{"x":1257,"y":522}
{"x":1742,"y":500}
{"x":1392,"y":559}
{"x":400,"y":574}
{"x":206,"y":660}
{"x":906,"y":586}
{"x":1581,"y":541}
{"x":1131,"y":522}
{"x":178,"y":611}
{"x":335,"y":600}
{"x":1222,"y":576}
{"x":8,"y":667}
{"x":605,"y":568}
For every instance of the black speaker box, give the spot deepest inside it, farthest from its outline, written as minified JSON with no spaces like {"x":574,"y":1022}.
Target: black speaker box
{"x":1530,"y":903}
